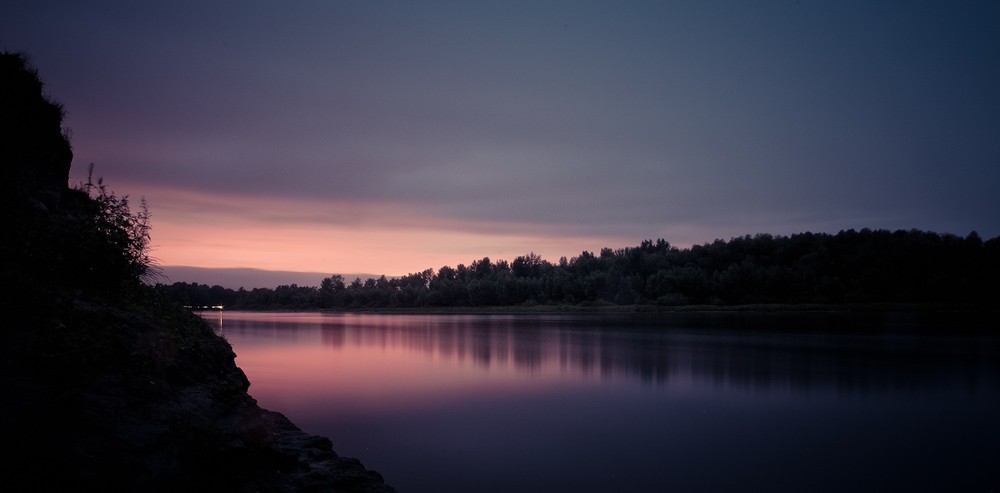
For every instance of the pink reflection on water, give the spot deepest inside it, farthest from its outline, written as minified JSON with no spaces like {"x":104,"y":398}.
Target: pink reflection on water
{"x":363,"y":364}
{"x":450,"y":403}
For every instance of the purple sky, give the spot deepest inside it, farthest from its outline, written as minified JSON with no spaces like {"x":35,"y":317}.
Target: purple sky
{"x":392,"y":137}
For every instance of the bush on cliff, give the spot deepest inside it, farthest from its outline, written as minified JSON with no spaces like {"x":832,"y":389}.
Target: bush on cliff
{"x":108,"y":387}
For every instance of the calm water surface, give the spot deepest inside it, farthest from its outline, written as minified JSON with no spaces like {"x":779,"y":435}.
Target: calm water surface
{"x":676,"y":402}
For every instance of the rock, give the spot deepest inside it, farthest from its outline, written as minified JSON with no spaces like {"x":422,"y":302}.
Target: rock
{"x":114,"y":389}
{"x":37,"y":153}
{"x":150,"y":406}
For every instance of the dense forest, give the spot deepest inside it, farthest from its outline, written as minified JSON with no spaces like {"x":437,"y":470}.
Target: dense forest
{"x":850,"y":267}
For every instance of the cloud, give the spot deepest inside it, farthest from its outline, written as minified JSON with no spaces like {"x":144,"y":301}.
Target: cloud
{"x":433,"y":132}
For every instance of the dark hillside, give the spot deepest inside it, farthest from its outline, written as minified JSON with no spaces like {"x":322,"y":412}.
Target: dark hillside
{"x":106,"y":386}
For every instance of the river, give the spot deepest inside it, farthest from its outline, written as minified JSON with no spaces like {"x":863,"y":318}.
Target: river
{"x":637,"y":402}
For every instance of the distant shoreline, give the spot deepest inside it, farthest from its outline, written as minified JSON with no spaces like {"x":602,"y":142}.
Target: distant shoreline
{"x":600,"y":308}
{"x":884,"y":318}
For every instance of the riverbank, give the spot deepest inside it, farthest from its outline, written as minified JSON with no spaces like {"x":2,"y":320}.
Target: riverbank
{"x":107,"y":399}
{"x":107,"y":386}
{"x":611,"y":308}
{"x":938,"y":319}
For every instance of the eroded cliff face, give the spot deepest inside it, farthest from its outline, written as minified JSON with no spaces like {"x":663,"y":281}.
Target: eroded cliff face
{"x":36,"y":154}
{"x":39,"y":213}
{"x":118,"y":395}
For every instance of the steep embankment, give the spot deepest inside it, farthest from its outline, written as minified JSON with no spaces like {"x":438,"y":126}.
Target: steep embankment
{"x":107,"y":387}
{"x":151,"y":401}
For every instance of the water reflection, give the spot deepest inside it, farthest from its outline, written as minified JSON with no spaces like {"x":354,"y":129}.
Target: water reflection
{"x":767,"y":353}
{"x":686,"y":402}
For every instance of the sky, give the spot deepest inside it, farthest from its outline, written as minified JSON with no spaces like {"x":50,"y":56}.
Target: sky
{"x":383,"y":137}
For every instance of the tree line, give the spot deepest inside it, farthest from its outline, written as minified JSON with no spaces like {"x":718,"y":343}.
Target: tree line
{"x":866,"y":266}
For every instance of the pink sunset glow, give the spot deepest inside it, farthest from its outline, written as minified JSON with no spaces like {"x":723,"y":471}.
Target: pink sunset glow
{"x":217,"y":231}
{"x":360,"y":137}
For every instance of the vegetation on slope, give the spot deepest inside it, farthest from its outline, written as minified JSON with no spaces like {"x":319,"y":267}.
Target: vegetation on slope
{"x":109,"y":386}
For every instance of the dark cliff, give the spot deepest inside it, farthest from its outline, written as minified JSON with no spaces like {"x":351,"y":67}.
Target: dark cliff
{"x":106,"y":386}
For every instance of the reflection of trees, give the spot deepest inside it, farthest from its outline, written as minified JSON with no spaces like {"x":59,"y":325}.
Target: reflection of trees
{"x":687,"y":349}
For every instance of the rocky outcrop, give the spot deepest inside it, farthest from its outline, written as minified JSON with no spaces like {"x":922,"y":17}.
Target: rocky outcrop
{"x":118,"y":400}
{"x":36,"y":154}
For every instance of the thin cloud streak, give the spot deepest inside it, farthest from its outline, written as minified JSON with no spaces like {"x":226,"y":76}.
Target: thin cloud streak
{"x":380,"y":250}
{"x":194,"y":229}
